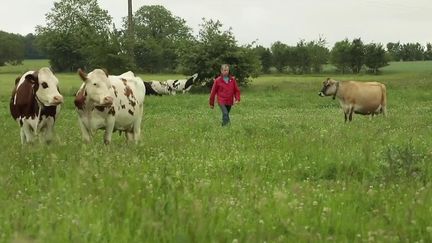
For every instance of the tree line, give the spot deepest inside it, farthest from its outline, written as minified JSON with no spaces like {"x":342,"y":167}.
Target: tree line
{"x":79,"y":34}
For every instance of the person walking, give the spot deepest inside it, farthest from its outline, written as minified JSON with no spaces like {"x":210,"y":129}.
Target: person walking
{"x":227,"y":92}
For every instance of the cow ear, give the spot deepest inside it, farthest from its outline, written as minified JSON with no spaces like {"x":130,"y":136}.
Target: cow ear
{"x":17,"y":80}
{"x":105,"y":71}
{"x":82,"y":74}
{"x":32,"y":78}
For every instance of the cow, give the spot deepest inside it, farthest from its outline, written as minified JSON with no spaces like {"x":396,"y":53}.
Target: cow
{"x":113,"y":103}
{"x":183,"y":85}
{"x":365,"y":98}
{"x":35,"y":105}
{"x":157,"y":88}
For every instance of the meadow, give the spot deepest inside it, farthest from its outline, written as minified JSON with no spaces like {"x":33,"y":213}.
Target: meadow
{"x":288,"y":169}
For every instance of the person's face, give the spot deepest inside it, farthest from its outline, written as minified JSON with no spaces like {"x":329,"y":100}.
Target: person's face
{"x":225,"y":71}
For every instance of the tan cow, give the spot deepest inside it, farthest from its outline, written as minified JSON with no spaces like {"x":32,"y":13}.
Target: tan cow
{"x":366,"y":98}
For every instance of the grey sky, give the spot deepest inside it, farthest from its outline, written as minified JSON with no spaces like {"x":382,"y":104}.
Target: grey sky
{"x":266,"y":21}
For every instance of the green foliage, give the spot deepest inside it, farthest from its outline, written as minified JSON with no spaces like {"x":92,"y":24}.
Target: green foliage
{"x":340,"y":55}
{"x":215,"y":47}
{"x":395,"y":51}
{"x":11,"y":48}
{"x":375,"y":57}
{"x":77,"y":34}
{"x":305,"y":57}
{"x":265,"y":57}
{"x":319,"y":54}
{"x":31,"y":50}
{"x":158,"y":37}
{"x":428,"y":52}
{"x":404,"y":163}
{"x":281,"y":53}
{"x":357,"y":55}
{"x":412,"y":52}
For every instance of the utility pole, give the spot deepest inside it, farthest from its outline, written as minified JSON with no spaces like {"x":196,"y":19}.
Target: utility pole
{"x":131,"y":39}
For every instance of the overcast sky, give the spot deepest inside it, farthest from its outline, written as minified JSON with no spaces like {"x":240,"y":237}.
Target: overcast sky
{"x":266,"y":21}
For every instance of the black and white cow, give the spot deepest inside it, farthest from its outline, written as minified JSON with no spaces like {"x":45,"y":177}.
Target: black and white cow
{"x":183,"y":85}
{"x":157,"y":88}
{"x":113,"y":103}
{"x":35,"y":104}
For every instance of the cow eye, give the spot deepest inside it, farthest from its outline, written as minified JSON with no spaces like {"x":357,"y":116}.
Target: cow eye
{"x":44,"y":85}
{"x":94,"y":84}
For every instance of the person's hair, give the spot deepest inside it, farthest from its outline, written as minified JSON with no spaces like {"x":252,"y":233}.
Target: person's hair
{"x":224,"y":66}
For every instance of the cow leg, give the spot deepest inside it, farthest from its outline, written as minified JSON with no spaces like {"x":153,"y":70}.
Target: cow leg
{"x":84,"y":131}
{"x":384,"y":110}
{"x":137,"y":127}
{"x":351,"y":113}
{"x":345,"y":111}
{"x":28,"y":133}
{"x":47,"y":132}
{"x":129,"y":136}
{"x":22,"y":135}
{"x":109,"y":129}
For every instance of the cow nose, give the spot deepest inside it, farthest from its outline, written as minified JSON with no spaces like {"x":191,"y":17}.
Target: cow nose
{"x":58,"y":99}
{"x":321,"y":94}
{"x":108,"y":100}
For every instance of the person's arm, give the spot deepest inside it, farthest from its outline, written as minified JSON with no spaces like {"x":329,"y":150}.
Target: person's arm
{"x":236,"y":92}
{"x":213,"y":93}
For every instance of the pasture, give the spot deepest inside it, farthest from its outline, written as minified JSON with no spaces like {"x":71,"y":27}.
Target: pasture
{"x":288,"y":169}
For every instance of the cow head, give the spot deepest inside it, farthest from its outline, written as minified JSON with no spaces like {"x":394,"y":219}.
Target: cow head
{"x":97,"y":87}
{"x":190,"y":81}
{"x":46,"y":86}
{"x":330,"y":87}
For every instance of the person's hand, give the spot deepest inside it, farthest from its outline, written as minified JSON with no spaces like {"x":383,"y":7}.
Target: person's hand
{"x":236,"y":101}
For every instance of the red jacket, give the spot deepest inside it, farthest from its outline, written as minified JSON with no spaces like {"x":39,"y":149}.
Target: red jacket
{"x":225,"y":92}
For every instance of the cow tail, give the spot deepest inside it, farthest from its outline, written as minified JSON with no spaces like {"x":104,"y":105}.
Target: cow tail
{"x":384,"y":99}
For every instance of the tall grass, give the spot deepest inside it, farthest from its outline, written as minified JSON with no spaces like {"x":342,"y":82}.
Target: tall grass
{"x":288,"y":169}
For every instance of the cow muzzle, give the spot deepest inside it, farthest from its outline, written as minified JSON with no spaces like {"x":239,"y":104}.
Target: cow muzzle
{"x":57,"y":100}
{"x":321,"y":94}
{"x":107,"y":101}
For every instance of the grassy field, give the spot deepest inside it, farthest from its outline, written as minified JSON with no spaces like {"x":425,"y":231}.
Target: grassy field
{"x":288,"y":169}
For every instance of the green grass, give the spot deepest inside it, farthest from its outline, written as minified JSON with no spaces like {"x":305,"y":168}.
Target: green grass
{"x":288,"y":169}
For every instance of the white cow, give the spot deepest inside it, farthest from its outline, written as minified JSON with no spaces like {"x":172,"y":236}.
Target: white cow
{"x":113,"y":103}
{"x":35,"y":104}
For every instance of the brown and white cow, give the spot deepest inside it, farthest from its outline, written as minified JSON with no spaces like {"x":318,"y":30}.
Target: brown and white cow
{"x":35,"y":104}
{"x":113,"y":103}
{"x":366,"y":98}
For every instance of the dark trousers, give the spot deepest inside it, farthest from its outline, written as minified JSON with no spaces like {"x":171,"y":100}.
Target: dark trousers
{"x":225,"y":114}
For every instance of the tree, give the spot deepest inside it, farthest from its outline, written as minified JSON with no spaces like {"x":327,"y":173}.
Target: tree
{"x":394,"y":50}
{"x":11,"y":48}
{"x":375,"y":57}
{"x":214,"y":47}
{"x":340,"y":55}
{"x":281,"y":54}
{"x":31,"y":50}
{"x":412,"y":52}
{"x":428,"y":52}
{"x":319,"y":54}
{"x":159,"y":36}
{"x":356,"y":53}
{"x":265,"y":56}
{"x":78,"y":34}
